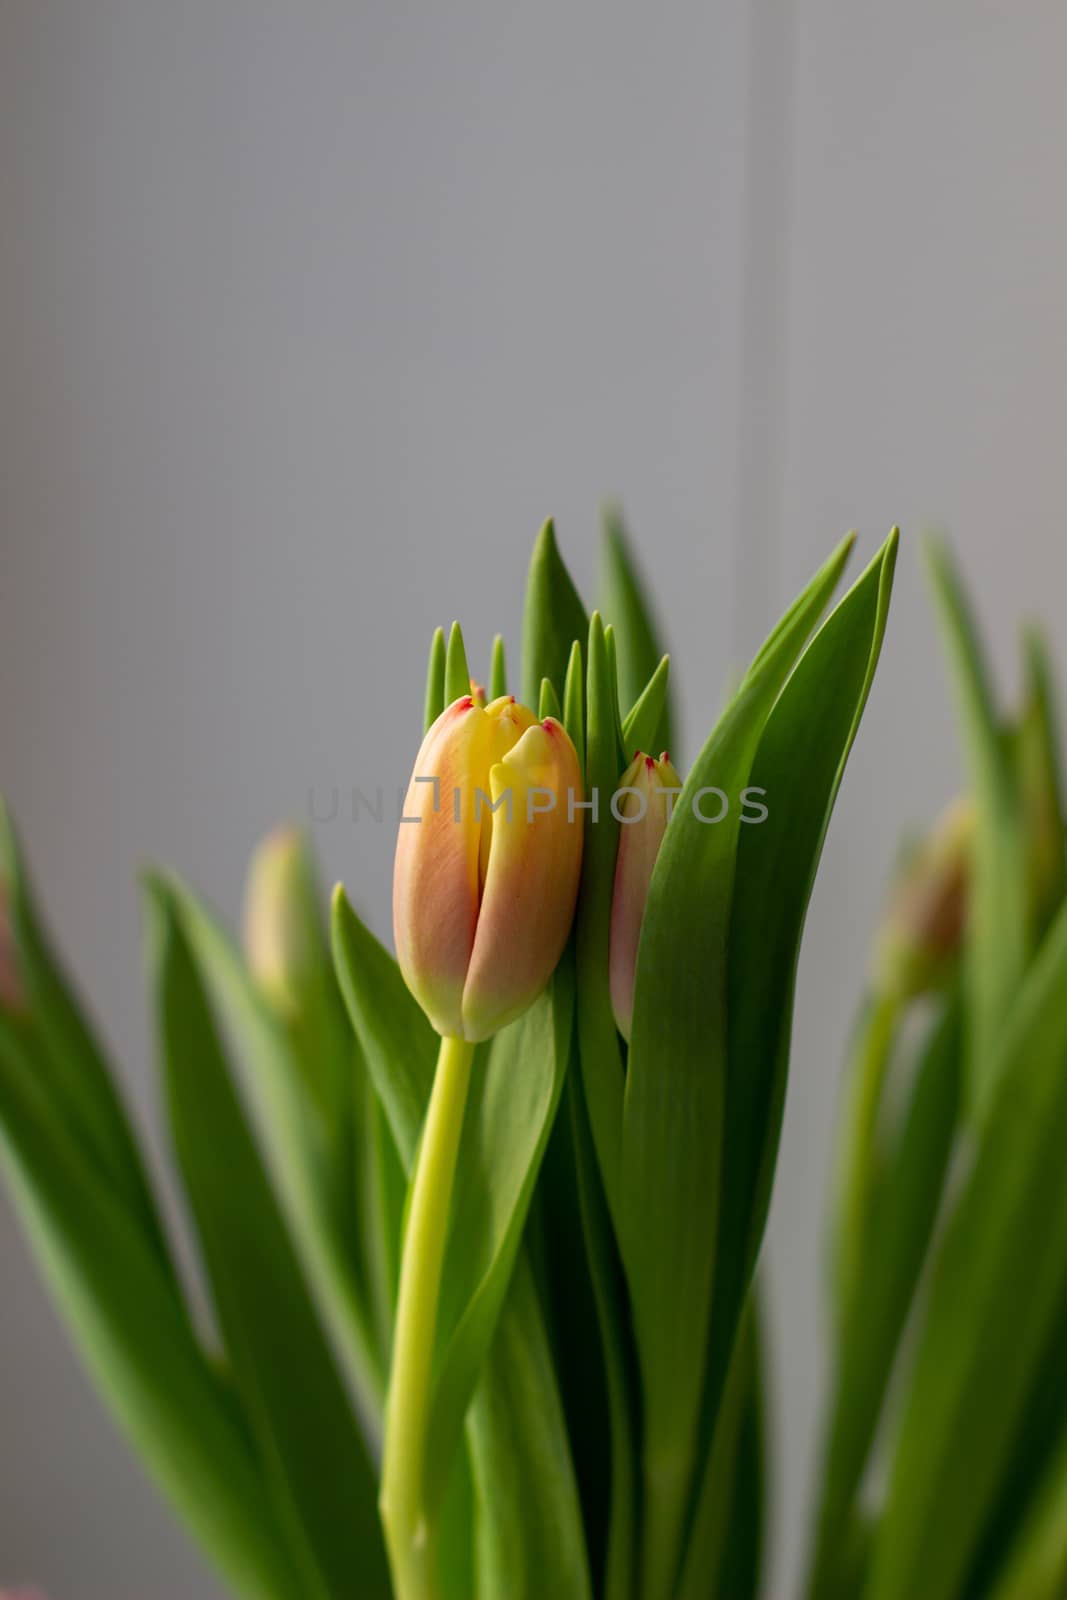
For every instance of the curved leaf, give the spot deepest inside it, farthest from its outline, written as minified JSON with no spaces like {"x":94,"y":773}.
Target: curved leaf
{"x":435,"y":680}
{"x":640,"y":651}
{"x":325,"y":1489}
{"x":892,"y":1250}
{"x":997,"y":936}
{"x":272,"y":1073}
{"x":529,"y":1542}
{"x":643,"y":727}
{"x":552,"y":619}
{"x":125,"y":1316}
{"x":515,"y":1090}
{"x":601,"y":1056}
{"x":999,"y":1280}
{"x":675,"y":1093}
{"x":77,"y":1073}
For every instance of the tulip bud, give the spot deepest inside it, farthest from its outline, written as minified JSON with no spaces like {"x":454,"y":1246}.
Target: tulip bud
{"x":282,"y":937}
{"x":924,"y":923}
{"x":478,"y":693}
{"x":487,"y":864}
{"x":649,"y":789}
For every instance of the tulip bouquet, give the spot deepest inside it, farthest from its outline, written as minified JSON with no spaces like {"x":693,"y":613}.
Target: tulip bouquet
{"x":478,"y":1226}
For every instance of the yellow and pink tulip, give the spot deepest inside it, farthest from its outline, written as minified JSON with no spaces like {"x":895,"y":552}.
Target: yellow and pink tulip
{"x":487,"y":864}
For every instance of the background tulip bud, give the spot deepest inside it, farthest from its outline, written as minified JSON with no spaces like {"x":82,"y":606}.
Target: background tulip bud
{"x":922,"y":931}
{"x":645,"y":813}
{"x":487,"y":864}
{"x":283,"y":941}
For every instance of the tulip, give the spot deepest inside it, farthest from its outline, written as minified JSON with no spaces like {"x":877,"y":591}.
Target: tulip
{"x":484,"y":887}
{"x":922,"y":931}
{"x":282,"y":939}
{"x":649,"y":788}
{"x":487,"y":864}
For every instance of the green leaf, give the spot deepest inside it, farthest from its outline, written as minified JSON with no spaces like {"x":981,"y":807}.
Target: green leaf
{"x":515,"y":1090}
{"x":797,"y":772}
{"x":675,"y":1094}
{"x":857,"y":1161}
{"x":611,"y":647}
{"x":77,"y":1074}
{"x":574,"y":702}
{"x":999,"y":1280}
{"x":317,"y":1465}
{"x":529,"y":1540}
{"x":272,"y":1074}
{"x":640,"y":650}
{"x":455,"y":1534}
{"x":997,"y":936}
{"x":601,"y":1057}
{"x":553,"y":617}
{"x":398,"y":1043}
{"x":1040,"y":779}
{"x":723,"y":1552}
{"x":498,"y":670}
{"x":1037,"y":1566}
{"x":1032,"y":1469}
{"x":381,"y":1191}
{"x":548,"y":703}
{"x":125,"y":1315}
{"x":435,"y":680}
{"x":907,"y":1186}
{"x":584,"y":1296}
{"x":457,"y":672}
{"x":742,"y":1566}
{"x":643,"y":727}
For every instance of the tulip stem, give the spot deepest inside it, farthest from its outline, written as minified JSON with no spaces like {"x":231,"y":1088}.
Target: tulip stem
{"x":408,"y":1524}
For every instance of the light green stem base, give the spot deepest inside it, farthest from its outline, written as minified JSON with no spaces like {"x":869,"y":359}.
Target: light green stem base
{"x":409,"y":1533}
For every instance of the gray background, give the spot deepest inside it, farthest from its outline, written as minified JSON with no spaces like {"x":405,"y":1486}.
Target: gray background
{"x":309,"y":314}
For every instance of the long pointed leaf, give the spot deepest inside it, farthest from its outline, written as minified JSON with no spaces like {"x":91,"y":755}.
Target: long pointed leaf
{"x":997,"y":940}
{"x":282,"y":1364}
{"x":675,"y":1093}
{"x":640,"y":648}
{"x":552,"y":619}
{"x":529,"y":1541}
{"x":121,"y":1306}
{"x":999,"y":1280}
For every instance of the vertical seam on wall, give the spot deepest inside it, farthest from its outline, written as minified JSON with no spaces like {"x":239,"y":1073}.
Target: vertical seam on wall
{"x":765,"y":250}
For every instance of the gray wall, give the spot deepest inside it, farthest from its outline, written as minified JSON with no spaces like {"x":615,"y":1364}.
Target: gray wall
{"x":308,"y":315}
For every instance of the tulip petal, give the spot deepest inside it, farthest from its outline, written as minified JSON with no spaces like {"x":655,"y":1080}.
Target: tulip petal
{"x":436,"y":875}
{"x":531,"y":880}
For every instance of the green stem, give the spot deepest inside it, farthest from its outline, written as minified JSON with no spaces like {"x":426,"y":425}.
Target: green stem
{"x":408,"y":1525}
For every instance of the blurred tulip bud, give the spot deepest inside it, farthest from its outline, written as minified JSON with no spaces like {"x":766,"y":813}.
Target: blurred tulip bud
{"x":924,"y":923}
{"x":282,"y":936}
{"x":478,"y":694}
{"x":12,"y":993}
{"x":487,"y":864}
{"x":648,"y":790}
